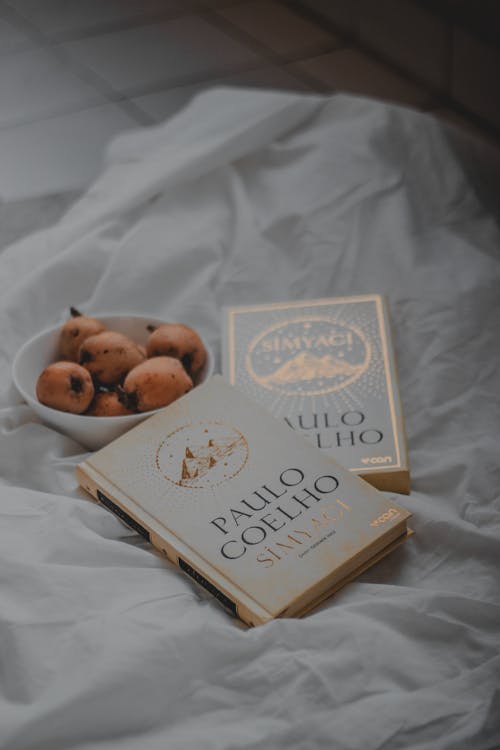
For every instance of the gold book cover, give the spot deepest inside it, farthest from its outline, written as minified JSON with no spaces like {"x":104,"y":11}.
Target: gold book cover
{"x":245,"y":506}
{"x":327,"y":368}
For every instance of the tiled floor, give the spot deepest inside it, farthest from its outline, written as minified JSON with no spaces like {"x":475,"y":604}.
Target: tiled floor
{"x":354,"y":71}
{"x":73,"y":73}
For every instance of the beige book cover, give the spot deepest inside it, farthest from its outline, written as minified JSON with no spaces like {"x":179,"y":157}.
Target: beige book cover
{"x":327,"y":368}
{"x":265,"y":521}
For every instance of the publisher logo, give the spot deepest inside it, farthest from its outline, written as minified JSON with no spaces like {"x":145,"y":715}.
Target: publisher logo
{"x":308,"y":355}
{"x":202,"y":455}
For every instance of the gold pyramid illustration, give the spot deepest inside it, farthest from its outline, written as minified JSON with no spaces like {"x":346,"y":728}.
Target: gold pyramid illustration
{"x":200,"y":459}
{"x":306,"y":366}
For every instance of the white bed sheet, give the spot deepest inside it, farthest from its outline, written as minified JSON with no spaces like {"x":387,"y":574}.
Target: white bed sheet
{"x":249,"y":197}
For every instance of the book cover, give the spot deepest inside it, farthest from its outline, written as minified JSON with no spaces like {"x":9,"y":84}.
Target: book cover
{"x":242,"y":504}
{"x":327,"y":368}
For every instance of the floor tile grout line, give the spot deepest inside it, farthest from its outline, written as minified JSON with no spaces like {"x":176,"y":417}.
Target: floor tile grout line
{"x":88,"y":106}
{"x":15,"y":19}
{"x":101,"y":86}
{"x":56,"y":38}
{"x":222,"y":24}
{"x":274,"y":58}
{"x":152,"y":19}
{"x":435,"y":95}
{"x":223,"y":82}
{"x":114,"y":27}
{"x":122,"y":98}
{"x":86,"y":75}
{"x":210,"y":17}
{"x":81,"y":72}
{"x":194,"y":81}
{"x":91,"y":78}
{"x":183,"y":82}
{"x":92,"y":103}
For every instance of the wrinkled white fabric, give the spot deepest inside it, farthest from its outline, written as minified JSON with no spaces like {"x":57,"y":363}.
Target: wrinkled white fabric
{"x":255,"y":197}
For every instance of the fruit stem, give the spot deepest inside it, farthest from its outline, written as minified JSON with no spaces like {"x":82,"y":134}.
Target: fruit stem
{"x":75,"y":313}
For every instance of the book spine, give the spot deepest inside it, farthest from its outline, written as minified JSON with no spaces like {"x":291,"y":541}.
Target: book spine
{"x":382,"y":477}
{"x":397,"y":393}
{"x":231,"y":604}
{"x":400,"y":479}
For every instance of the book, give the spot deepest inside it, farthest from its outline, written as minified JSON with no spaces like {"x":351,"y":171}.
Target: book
{"x":243,"y":505}
{"x":327,"y":368}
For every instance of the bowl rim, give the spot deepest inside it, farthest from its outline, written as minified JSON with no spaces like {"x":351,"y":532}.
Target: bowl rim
{"x":89,"y":418}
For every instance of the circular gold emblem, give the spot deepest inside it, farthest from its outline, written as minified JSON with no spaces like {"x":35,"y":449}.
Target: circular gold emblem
{"x":309,"y":355}
{"x":202,"y":455}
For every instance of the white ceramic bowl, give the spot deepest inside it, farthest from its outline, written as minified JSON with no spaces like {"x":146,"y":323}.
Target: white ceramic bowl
{"x":91,"y":432}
